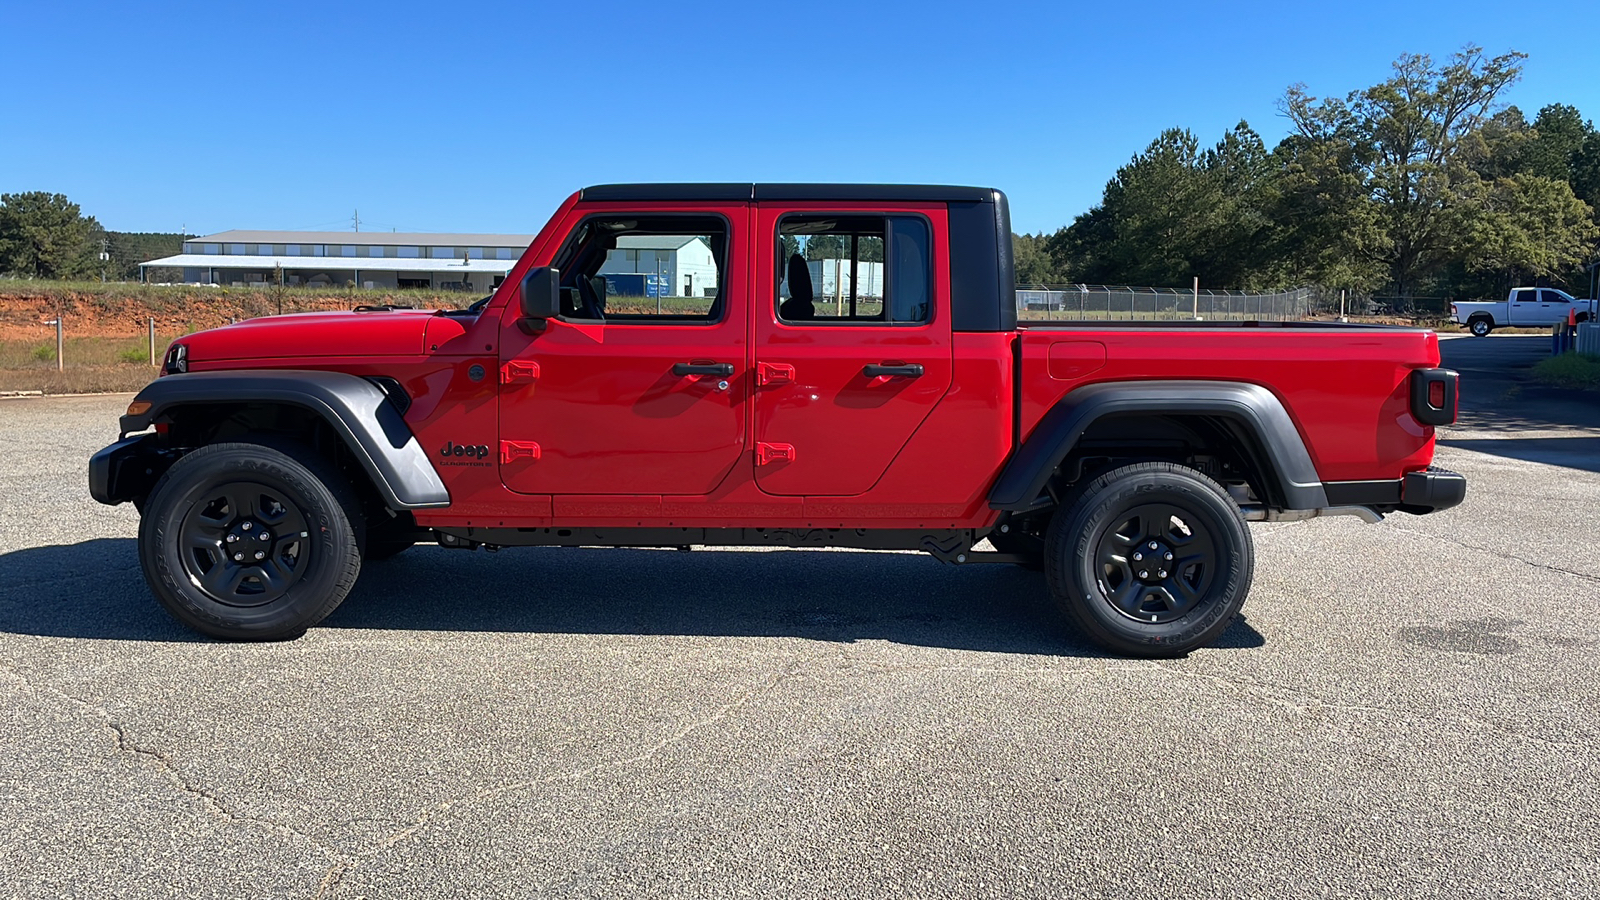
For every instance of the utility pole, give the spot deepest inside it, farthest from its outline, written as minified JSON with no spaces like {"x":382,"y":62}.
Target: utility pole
{"x":356,"y":218}
{"x":105,"y":256}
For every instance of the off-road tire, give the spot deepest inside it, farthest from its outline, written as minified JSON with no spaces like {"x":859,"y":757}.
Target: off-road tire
{"x":314,"y":561}
{"x":1193,"y":603}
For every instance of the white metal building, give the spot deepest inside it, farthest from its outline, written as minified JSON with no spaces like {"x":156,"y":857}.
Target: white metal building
{"x":683,"y":264}
{"x":830,"y":278}
{"x":467,"y":262}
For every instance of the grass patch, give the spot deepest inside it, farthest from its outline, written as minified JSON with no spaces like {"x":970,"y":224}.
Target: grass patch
{"x":1573,"y":370}
{"x":85,"y":380}
{"x":80,"y":351}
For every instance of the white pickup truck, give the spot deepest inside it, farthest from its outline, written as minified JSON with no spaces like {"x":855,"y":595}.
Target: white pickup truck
{"x":1525,"y":306}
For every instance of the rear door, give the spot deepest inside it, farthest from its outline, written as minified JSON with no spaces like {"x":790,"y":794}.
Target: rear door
{"x":1524,"y":307}
{"x":852,"y":340}
{"x":638,"y":387}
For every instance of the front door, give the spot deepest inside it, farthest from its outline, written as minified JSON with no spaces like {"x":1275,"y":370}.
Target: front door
{"x":628,"y":393}
{"x":852,"y":341}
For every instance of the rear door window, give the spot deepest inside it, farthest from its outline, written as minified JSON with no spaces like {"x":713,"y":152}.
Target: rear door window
{"x":853,"y":269}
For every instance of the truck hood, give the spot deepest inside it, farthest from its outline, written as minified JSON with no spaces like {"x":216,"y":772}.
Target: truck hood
{"x":314,"y":335}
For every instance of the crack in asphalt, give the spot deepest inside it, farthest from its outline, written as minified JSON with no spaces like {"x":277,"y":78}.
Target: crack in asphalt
{"x":1509,"y":557}
{"x":1274,"y":695}
{"x":345,"y":864}
{"x":212,"y":803}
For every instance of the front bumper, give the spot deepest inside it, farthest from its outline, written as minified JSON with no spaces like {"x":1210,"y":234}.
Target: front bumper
{"x":126,"y":470}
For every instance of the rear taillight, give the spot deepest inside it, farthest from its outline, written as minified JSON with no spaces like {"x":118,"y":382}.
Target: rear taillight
{"x":1435,"y":395}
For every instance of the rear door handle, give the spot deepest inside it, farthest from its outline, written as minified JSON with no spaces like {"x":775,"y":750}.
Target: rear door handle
{"x":681,"y":369}
{"x":875,"y":370}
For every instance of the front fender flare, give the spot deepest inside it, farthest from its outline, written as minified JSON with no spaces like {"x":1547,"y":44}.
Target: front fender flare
{"x":355,"y":408}
{"x":1021,"y":485}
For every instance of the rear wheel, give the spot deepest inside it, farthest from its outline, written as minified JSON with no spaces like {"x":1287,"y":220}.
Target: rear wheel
{"x":1480,"y":327}
{"x":246,"y":542}
{"x":1152,"y":559}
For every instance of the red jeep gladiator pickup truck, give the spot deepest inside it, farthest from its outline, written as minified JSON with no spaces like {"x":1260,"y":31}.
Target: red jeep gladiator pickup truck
{"x":797,"y":365}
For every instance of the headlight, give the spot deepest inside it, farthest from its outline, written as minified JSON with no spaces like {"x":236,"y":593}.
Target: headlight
{"x":177,"y":360}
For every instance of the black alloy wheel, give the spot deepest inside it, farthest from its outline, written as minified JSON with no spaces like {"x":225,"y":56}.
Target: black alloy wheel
{"x":246,"y":541}
{"x":1152,"y":559}
{"x":1156,"y":564}
{"x":243,"y":544}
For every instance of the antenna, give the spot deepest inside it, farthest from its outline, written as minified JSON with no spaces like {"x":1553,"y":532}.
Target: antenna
{"x":356,"y":218}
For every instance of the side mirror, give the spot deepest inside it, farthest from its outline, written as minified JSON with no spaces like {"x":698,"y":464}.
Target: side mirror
{"x":541,"y":298}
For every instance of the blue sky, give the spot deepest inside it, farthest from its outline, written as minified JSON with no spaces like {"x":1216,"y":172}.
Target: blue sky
{"x":482,"y":117}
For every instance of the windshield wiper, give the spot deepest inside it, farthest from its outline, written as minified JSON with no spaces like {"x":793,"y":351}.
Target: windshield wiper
{"x":471,"y":310}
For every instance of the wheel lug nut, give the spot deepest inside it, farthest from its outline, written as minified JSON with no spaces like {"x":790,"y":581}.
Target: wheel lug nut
{"x":263,"y":536}
{"x":245,"y":526}
{"x":1152,"y":545}
{"x":1169,"y":557}
{"x":1143,"y":573}
{"x":260,"y":555}
{"x":232,"y":538}
{"x":1162,"y":573}
{"x":1138,"y":556}
{"x":238,"y":557}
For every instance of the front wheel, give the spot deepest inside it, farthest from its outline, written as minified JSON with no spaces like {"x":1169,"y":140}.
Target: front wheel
{"x":1480,"y":327}
{"x":1152,"y":559}
{"x":246,"y":542}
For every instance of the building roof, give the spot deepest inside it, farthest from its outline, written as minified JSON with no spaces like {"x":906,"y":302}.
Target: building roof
{"x":367,"y":238}
{"x":330,"y":263}
{"x":654,"y":241}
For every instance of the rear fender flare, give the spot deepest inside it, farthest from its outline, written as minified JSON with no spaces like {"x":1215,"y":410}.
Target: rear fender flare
{"x":1253,"y":408}
{"x":357,"y":410}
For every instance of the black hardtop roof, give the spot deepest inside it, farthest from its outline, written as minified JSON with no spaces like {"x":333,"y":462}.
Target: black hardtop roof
{"x":690,"y":191}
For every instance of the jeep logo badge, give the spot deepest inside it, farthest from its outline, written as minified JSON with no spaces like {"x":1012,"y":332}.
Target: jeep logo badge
{"x":475,"y":451}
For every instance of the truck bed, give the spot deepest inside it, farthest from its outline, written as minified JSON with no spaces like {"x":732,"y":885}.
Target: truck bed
{"x":1341,"y":383}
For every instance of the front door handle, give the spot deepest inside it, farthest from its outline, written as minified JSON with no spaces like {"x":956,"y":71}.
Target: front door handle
{"x":874,"y":370}
{"x":681,"y":369}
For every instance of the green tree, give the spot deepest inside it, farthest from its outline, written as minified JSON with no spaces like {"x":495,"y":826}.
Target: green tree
{"x":1559,"y":135}
{"x":45,"y":235}
{"x":1175,"y":212}
{"x":1406,"y":135}
{"x":1526,"y":228}
{"x":1030,"y":254}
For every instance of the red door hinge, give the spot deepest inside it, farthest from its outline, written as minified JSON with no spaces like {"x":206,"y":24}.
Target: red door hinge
{"x":771,"y":453}
{"x":511,"y":451}
{"x":774,"y":373}
{"x":519,"y":371}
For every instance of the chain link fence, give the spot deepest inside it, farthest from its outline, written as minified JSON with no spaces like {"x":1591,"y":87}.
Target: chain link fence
{"x":1087,"y":302}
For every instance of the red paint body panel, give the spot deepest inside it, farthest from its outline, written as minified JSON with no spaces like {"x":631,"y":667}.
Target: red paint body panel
{"x":316,"y":335}
{"x":845,"y":427}
{"x":1345,"y":389}
{"x":624,"y":443}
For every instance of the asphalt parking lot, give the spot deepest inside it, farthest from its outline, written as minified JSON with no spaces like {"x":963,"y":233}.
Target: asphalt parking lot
{"x":1407,"y":710}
